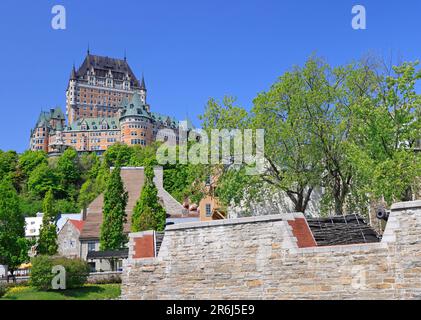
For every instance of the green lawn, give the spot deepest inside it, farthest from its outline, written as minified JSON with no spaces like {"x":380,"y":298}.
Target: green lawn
{"x":88,"y":292}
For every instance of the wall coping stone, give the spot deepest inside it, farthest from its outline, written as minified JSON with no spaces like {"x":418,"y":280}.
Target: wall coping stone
{"x":141,"y":233}
{"x":344,"y":248}
{"x":406,"y":205}
{"x":238,"y":221}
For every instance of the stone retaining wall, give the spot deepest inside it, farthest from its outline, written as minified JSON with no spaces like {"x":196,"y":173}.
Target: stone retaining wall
{"x":259,"y":258}
{"x":104,"y":277}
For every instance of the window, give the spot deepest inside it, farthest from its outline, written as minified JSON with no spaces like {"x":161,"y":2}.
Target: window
{"x":208,"y":210}
{"x":91,"y":266}
{"x":91,"y":246}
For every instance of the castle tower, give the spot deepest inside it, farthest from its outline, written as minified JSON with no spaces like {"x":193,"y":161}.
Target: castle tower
{"x":136,"y":122}
{"x":98,"y":87}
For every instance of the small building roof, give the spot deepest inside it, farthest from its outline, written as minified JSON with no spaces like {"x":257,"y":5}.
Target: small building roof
{"x":78,"y":224}
{"x":342,"y":230}
{"x":108,"y":254}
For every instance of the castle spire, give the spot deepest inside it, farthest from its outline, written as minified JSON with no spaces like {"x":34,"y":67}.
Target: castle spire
{"x":142,"y":85}
{"x":73,"y":74}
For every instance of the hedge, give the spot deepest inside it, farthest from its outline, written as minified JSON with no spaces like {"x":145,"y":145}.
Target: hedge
{"x":41,"y":278}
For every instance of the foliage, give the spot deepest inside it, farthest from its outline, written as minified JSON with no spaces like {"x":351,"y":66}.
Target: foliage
{"x":148,"y":213}
{"x":118,"y":154}
{"x":42,"y":276}
{"x":29,"y":160}
{"x":77,"y":180}
{"x":47,"y":242}
{"x":13,"y":245}
{"x":114,"y":215}
{"x":68,"y":171}
{"x":42,"y":179}
{"x":388,"y":128}
{"x":8,"y":162}
{"x":3,"y":289}
{"x":184,"y":181}
{"x":349,"y":129}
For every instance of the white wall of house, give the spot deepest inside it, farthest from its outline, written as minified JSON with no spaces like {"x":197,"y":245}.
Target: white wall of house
{"x":3,"y":271}
{"x":275,"y":203}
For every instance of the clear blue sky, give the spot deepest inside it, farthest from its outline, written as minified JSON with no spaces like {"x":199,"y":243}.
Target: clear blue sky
{"x":188,"y":50}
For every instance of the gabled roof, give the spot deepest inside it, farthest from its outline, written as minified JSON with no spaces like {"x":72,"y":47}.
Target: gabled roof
{"x":102,"y":65}
{"x":133,"y":180}
{"x":78,"y":224}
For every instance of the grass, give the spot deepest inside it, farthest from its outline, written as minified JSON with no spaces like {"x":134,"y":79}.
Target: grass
{"x":87,"y":292}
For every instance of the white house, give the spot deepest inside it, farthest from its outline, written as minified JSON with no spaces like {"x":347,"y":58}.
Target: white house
{"x":33,"y":224}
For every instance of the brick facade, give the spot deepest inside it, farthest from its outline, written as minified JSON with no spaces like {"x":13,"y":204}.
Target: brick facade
{"x":105,"y":104}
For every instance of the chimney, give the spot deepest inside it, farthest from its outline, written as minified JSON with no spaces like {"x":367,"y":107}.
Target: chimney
{"x":84,"y":213}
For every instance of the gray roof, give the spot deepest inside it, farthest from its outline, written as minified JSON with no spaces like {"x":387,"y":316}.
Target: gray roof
{"x":342,"y":230}
{"x":118,"y":67}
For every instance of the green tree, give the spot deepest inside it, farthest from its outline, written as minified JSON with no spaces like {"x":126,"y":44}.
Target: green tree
{"x":13,"y":245}
{"x":388,"y":127}
{"x":141,"y":156}
{"x":42,"y":179}
{"x":148,"y":213}
{"x":29,"y":160}
{"x":47,"y":242}
{"x":90,"y":165}
{"x":114,"y":213}
{"x":118,"y":154}
{"x":88,"y":193}
{"x":8,"y":163}
{"x":68,"y":170}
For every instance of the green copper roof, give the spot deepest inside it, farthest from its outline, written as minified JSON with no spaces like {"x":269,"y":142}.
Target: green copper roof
{"x":163,"y":118}
{"x":134,"y":108}
{"x":57,"y":113}
{"x":93,"y":124}
{"x":46,"y":116}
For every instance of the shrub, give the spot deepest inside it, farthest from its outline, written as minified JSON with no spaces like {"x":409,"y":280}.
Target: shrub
{"x":3,"y":289}
{"x":77,"y":272}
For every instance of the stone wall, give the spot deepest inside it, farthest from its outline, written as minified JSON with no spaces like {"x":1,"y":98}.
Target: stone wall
{"x":104,"y":277}
{"x":259,"y":258}
{"x":68,"y":241}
